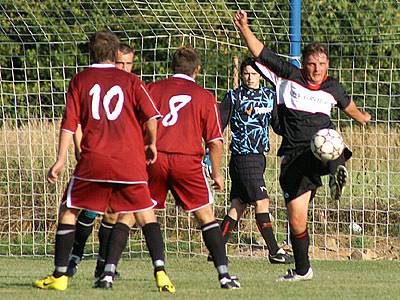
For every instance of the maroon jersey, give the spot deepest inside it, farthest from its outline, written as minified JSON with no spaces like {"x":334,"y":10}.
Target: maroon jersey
{"x":110,"y":105}
{"x":190,"y":115}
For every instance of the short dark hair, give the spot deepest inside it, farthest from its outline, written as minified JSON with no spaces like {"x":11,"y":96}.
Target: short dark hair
{"x":314,"y":48}
{"x":126,"y":49}
{"x":248,"y":61}
{"x":185,"y":60}
{"x":103,"y":46}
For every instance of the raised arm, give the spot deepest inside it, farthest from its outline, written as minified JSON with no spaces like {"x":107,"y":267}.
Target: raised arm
{"x":255,"y":45}
{"x":352,"y":111}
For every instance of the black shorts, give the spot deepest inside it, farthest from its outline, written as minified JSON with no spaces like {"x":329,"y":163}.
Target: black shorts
{"x":301,"y":172}
{"x":247,"y":176}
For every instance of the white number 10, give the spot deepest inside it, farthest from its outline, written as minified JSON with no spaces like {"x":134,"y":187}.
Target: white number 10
{"x":115,"y":90}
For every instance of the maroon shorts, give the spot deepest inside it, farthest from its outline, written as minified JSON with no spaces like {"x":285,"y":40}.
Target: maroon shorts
{"x":184,"y":176}
{"x":98,"y":196}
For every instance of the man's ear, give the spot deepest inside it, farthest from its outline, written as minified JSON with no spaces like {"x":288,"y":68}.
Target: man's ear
{"x":196,"y":71}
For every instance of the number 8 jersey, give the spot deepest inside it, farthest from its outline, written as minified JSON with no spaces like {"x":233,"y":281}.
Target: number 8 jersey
{"x":190,"y":115}
{"x":111,"y":105}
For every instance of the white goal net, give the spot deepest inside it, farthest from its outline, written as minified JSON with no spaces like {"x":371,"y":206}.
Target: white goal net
{"x":42,"y":44}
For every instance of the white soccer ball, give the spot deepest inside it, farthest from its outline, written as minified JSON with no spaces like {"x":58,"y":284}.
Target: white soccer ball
{"x":327,"y":144}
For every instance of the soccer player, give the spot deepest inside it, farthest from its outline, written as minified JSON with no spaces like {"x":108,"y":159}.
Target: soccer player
{"x":305,"y":99}
{"x":190,"y":116}
{"x":110,"y":105}
{"x":86,"y":218}
{"x":250,"y":109}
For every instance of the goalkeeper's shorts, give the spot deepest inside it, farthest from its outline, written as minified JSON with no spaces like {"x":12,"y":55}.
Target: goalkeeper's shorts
{"x":247,"y":176}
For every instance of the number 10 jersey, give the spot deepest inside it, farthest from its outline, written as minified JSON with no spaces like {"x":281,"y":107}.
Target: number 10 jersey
{"x":111,"y":105}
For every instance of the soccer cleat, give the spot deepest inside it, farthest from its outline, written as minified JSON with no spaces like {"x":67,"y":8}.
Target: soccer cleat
{"x":230,"y":283}
{"x":281,"y":257}
{"x":163,"y":282}
{"x":100,"y":270}
{"x":291,"y":275}
{"x":104,"y":282}
{"x":52,"y":283}
{"x":337,"y":182}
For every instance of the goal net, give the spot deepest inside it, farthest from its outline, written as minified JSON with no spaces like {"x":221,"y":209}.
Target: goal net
{"x":42,"y":44}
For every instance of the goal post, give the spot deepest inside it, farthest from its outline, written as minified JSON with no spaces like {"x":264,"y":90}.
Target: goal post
{"x":43,"y":44}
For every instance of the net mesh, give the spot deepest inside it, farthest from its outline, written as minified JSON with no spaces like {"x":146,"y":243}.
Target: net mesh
{"x":44,"y":43}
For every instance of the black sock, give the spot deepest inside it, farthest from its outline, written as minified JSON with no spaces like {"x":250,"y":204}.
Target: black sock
{"x":104,"y":238}
{"x":227,"y":226}
{"x":265,"y":227}
{"x":64,"y":241}
{"x":333,"y":164}
{"x":212,"y":238}
{"x":300,"y":244}
{"x":118,"y":240}
{"x":155,"y":244}
{"x":84,"y":227}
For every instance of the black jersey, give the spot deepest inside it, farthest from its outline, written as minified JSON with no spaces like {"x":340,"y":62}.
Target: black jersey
{"x":302,"y":110}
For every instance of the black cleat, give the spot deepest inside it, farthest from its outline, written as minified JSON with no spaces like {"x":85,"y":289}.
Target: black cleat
{"x":337,"y":182}
{"x":100,"y":270}
{"x":281,"y":257}
{"x":104,"y":282}
{"x":230,"y":283}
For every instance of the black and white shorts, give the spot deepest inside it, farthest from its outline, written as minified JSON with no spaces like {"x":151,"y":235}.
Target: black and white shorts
{"x":301,"y":172}
{"x":247,"y":176}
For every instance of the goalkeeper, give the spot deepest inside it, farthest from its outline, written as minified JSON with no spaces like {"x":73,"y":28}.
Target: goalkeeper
{"x":304,"y":102}
{"x":250,"y":110}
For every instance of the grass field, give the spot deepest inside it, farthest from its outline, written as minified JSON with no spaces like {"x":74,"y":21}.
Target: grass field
{"x":196,"y":279}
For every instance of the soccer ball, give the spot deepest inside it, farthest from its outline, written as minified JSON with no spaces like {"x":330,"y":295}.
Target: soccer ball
{"x":327,"y":144}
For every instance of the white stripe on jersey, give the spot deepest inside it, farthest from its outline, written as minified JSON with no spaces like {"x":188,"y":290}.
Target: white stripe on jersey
{"x":298,"y":97}
{"x":151,"y":99}
{"x":66,"y":130}
{"x":218,"y":121}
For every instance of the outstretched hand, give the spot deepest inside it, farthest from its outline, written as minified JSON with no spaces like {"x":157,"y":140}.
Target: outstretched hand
{"x":367,"y":117}
{"x":240,"y":19}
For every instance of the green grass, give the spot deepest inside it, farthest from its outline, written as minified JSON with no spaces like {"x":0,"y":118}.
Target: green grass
{"x":196,"y":279}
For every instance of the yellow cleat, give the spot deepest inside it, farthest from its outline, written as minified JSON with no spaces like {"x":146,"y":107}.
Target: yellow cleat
{"x":52,"y":283}
{"x":164,"y":284}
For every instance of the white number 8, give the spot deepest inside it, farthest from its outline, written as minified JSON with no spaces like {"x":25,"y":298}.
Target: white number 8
{"x":115,"y":90}
{"x":175,"y":104}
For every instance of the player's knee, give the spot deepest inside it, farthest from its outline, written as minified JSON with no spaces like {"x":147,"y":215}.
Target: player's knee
{"x":297,"y":225}
{"x":143,"y":217}
{"x":68,"y":215}
{"x":262,"y":206}
{"x":205,"y":215}
{"x":110,"y":218}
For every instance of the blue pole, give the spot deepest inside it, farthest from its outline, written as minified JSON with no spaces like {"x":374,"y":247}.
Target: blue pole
{"x":295,"y":32}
